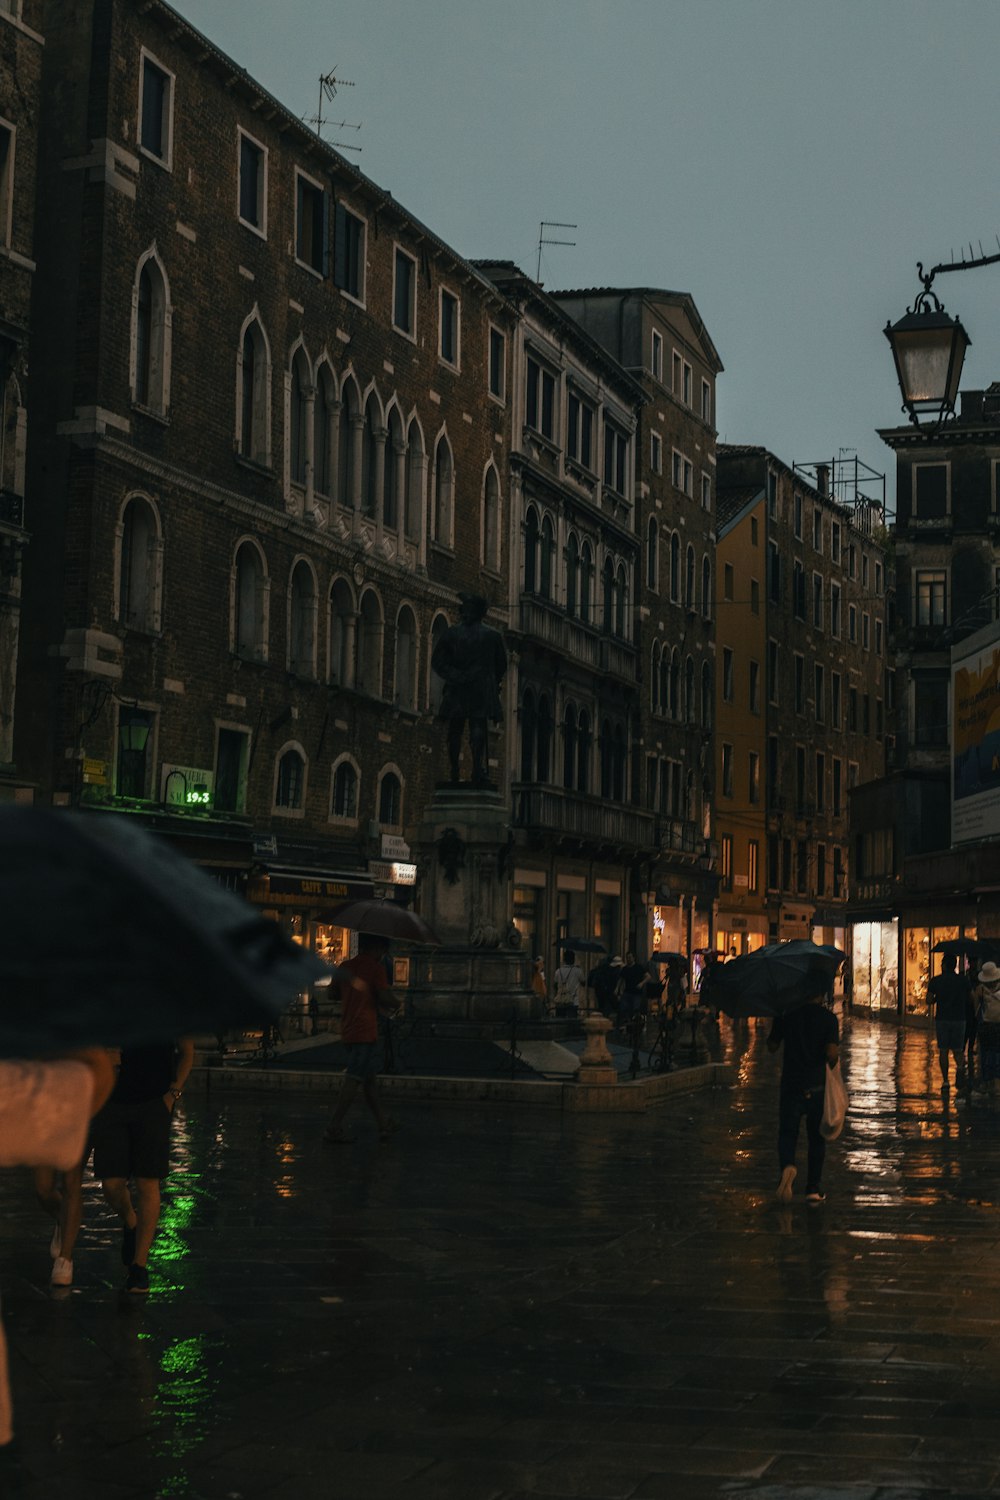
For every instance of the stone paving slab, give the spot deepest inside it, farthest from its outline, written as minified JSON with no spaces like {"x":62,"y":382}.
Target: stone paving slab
{"x":504,"y":1302}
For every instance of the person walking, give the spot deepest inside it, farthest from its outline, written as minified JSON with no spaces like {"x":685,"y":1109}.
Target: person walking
{"x":568,"y":981}
{"x":538,"y":983}
{"x":949,"y":993}
{"x":605,"y":981}
{"x":61,"y":1196}
{"x":810,"y":1035}
{"x":365,"y":993}
{"x":986,"y":1000}
{"x":633,"y":1002}
{"x":131,"y":1138}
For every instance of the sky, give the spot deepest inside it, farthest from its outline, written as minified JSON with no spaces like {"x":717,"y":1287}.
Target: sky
{"x":786,"y":162}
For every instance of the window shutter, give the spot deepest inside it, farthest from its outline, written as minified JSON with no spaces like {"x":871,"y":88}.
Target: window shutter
{"x":325,"y":266}
{"x":340,"y":246}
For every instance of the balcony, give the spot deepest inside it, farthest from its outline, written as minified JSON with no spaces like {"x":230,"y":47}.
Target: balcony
{"x":546,"y":622}
{"x":683,"y":840}
{"x":11,"y":508}
{"x":571,"y":816}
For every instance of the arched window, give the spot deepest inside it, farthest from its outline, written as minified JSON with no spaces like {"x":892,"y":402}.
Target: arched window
{"x":675,"y":568}
{"x":706,"y":695}
{"x":654,"y":677}
{"x":544,"y":751}
{"x":151,"y":320}
{"x":369,"y":458}
{"x":666,"y":707}
{"x":299,"y":417}
{"x":586,"y":583}
{"x":609,"y":596}
{"x":390,"y":471}
{"x":435,"y":686}
{"x":572,"y":576}
{"x":340,"y":653}
{"x":675,"y":684}
{"x":491,"y":521}
{"x":546,"y":551}
{"x":607,"y":759}
{"x":255,"y":395}
{"x":249,"y":609}
{"x":325,"y":432}
{"x":413,"y":500}
{"x":689,"y":578}
{"x":569,"y":747}
{"x":706,"y":588}
{"x":444,"y":483}
{"x":652,"y":553}
{"x":529,"y":725}
{"x":139,"y":567}
{"x":583,"y":744}
{"x":390,"y":801}
{"x":290,"y":781}
{"x":621,"y":603}
{"x":302,"y":621}
{"x":344,"y":791}
{"x":405,"y":695}
{"x":346,"y":477}
{"x":532,"y":543}
{"x":689,"y":701}
{"x":369,"y":672}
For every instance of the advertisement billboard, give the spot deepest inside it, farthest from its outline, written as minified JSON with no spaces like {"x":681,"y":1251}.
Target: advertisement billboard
{"x":975,"y":737}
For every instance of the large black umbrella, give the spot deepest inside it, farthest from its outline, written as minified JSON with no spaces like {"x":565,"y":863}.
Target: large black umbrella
{"x":771,"y":980}
{"x":583,"y":945}
{"x":962,"y":947}
{"x":112,"y":938}
{"x":384,"y":919}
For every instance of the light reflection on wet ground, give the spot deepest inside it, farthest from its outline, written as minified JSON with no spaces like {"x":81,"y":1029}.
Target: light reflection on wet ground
{"x":501,"y":1303}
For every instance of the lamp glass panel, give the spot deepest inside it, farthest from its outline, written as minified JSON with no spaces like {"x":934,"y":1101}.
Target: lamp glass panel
{"x":924,"y":358}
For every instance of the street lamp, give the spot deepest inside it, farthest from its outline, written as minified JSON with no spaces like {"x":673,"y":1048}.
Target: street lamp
{"x":133,"y":730}
{"x":929,"y":347}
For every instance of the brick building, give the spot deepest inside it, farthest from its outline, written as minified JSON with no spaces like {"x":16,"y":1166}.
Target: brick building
{"x":269,"y":454}
{"x":660,"y":338}
{"x":21,"y":49}
{"x":811,"y":570}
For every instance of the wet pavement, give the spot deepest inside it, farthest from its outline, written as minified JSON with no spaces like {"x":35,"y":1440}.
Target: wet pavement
{"x":498,"y":1304}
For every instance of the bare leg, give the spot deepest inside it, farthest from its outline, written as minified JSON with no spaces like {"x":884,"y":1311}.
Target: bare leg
{"x":117,"y":1194}
{"x":943,"y":1062}
{"x":147,"y":1216}
{"x":348,"y":1094}
{"x":71,"y":1210}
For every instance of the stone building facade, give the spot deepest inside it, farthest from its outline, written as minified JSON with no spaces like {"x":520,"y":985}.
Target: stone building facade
{"x":269,"y":455}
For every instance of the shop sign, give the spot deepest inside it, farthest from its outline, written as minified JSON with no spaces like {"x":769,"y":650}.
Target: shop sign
{"x":95,"y":772}
{"x":393,"y":873}
{"x":185,"y":786}
{"x":394,"y":847}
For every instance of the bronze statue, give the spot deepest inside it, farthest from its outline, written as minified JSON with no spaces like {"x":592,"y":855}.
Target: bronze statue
{"x":471,"y":660}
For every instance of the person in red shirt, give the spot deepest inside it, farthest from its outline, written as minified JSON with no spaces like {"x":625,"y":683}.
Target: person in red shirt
{"x":361,"y":1005}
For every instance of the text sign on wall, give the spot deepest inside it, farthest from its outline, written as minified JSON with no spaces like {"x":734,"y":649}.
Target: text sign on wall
{"x":185,"y":786}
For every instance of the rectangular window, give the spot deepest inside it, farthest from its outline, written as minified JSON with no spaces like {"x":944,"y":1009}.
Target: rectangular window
{"x":753,"y":855}
{"x":253,"y":183}
{"x":726,"y":861}
{"x":404,"y":293}
{"x":819,"y":692}
{"x":231,"y":760}
{"x":878,"y":578}
{"x":656,"y":355}
{"x":866,"y":713}
{"x":706,"y":401}
{"x":706,"y":492}
{"x":930,"y":711}
{"x":835,"y":610}
{"x":498,"y":364}
{"x":135,"y":752}
{"x":772,"y":495}
{"x":817,"y":529}
{"x":615,"y":458}
{"x":802,"y":867}
{"x":155,"y":110}
{"x":7,"y":138}
{"x":753,"y":778}
{"x":838,"y":870}
{"x":786,"y":864}
{"x":727,"y":674}
{"x":852,"y":624}
{"x":821,"y":869}
{"x":681,"y":472}
{"x":852,"y":710}
{"x":773,"y":769}
{"x":931,"y":598}
{"x":864,"y":570}
{"x":754,"y":596}
{"x":866,"y":632}
{"x":687,"y":385}
{"x":675,"y":373}
{"x":773,"y":573}
{"x":797,"y":517}
{"x":728,"y":581}
{"x":799,"y":590}
{"x":349,"y":253}
{"x":835,"y":541}
{"x":930,"y":491}
{"x":800,"y":683}
{"x":818,"y":601}
{"x":580,"y":431}
{"x":754,"y":684}
{"x":820,"y":782}
{"x":450,"y":324}
{"x":835,"y":701}
{"x":772,"y":672}
{"x":656,"y":453}
{"x":310,"y":224}
{"x":838,"y":788}
{"x":540,"y":399}
{"x":727,"y":770}
{"x":754,"y":532}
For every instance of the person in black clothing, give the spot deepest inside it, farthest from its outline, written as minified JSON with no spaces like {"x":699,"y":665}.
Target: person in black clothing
{"x":811,"y":1038}
{"x":131,"y":1138}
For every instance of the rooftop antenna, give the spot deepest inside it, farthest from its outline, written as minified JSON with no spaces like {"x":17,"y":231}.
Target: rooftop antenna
{"x":550,"y":224}
{"x":329,"y":83}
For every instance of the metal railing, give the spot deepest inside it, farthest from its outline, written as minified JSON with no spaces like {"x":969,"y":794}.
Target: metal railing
{"x":555,"y":810}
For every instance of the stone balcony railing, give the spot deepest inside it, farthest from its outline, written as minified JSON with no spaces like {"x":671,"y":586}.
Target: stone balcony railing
{"x":589,"y":820}
{"x":679,"y":836}
{"x":545,"y":622}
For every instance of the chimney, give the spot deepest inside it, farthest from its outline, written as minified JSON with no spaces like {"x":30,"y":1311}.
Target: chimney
{"x":823,"y":479}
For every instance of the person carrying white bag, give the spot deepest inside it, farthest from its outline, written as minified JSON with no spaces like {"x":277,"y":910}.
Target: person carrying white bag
{"x":810,"y":1076}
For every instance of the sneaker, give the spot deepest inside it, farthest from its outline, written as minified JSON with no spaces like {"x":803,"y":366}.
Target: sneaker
{"x":55,"y":1244}
{"x":137,"y":1279}
{"x":62,"y":1272}
{"x":784,"y":1193}
{"x":815,"y":1195}
{"x":128,"y":1246}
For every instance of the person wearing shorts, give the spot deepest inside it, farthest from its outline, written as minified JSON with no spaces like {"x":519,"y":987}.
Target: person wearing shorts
{"x":949,"y":993}
{"x":361,"y":1001}
{"x":131,"y":1140}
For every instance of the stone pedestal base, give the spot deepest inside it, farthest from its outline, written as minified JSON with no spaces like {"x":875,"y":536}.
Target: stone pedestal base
{"x":596,"y":1065}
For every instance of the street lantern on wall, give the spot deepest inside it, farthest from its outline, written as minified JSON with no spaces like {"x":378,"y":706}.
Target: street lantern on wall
{"x":929,"y":347}
{"x":133,"y":729}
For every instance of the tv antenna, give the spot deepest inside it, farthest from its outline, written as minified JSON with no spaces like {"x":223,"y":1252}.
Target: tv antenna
{"x":329,"y":83}
{"x":550,"y":224}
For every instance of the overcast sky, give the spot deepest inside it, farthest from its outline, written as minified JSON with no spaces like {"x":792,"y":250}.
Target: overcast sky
{"x":786,"y":162}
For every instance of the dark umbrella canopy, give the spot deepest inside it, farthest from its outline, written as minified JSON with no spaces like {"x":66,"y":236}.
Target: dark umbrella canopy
{"x":583,"y":945}
{"x":958,"y":947}
{"x":112,"y":938}
{"x":772,"y":980}
{"x":384,"y":919}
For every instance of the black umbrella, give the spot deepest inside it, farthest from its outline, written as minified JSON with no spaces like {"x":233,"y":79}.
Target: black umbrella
{"x":384,"y":919}
{"x":112,"y":938}
{"x":583,"y":945}
{"x":962,"y":947}
{"x":771,"y":980}
{"x":669,"y":958}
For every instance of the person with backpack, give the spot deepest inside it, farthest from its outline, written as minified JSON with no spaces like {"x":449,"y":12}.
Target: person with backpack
{"x":568,"y":980}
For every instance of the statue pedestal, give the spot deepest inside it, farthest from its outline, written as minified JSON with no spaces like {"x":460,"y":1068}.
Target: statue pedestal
{"x":597,"y":1065}
{"x":480,"y":973}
